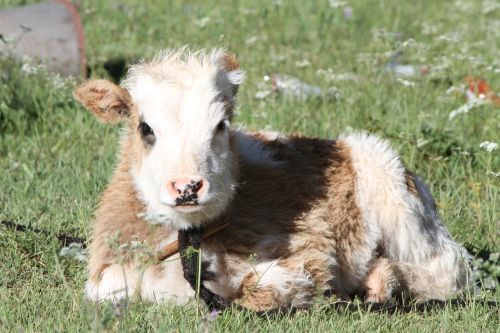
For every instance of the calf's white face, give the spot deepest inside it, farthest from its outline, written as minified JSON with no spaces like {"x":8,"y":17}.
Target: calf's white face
{"x":186,"y":171}
{"x":180,"y":107}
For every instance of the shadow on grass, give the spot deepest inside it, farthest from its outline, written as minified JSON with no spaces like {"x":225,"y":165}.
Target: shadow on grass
{"x":114,"y":68}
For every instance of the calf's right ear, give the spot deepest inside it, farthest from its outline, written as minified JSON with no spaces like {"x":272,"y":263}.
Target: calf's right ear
{"x":107,"y":101}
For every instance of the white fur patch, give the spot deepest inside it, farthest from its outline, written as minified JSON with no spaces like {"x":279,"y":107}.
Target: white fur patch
{"x":411,"y":230}
{"x":286,"y":282}
{"x":169,"y":285}
{"x":384,"y":199}
{"x":116,"y":284}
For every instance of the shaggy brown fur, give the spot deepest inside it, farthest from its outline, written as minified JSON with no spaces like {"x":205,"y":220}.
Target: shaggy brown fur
{"x":308,"y":216}
{"x":117,"y":222}
{"x":231,"y":63}
{"x":300,"y":208}
{"x":107,"y":101}
{"x":410,"y":183}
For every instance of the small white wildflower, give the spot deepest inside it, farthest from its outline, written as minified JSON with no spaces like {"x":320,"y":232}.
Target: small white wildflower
{"x":494,"y":174}
{"x":330,"y":76}
{"x":382,"y":34}
{"x":409,"y":43}
{"x":29,"y":69}
{"x":248,"y":11}
{"x":472,"y":103}
{"x":366,"y":58}
{"x":252,"y":40}
{"x":302,"y":63}
{"x":493,"y":69}
{"x":278,"y":57}
{"x":337,"y":3}
{"x":264,"y":88}
{"x":489,"y":146}
{"x":346,"y":77}
{"x":291,"y":86}
{"x":405,"y":83}
{"x":400,"y":70}
{"x":428,"y":29}
{"x":261,"y":94}
{"x":422,"y":142}
{"x":455,"y":90}
{"x":58,"y":81}
{"x":203,"y":21}
{"x":326,"y":73}
{"x":442,"y":65}
{"x":452,"y":37}
{"x":474,"y":60}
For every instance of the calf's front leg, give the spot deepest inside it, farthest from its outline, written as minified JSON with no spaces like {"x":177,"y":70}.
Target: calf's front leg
{"x":272,"y":285}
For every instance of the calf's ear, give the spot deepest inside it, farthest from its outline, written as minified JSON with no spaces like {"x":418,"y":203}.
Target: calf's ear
{"x":107,"y":101}
{"x":234,"y":73}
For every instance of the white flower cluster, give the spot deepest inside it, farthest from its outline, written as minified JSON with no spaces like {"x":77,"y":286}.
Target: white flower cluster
{"x":488,"y":146}
{"x":467,"y":107}
{"x":31,"y":69}
{"x":338,"y":3}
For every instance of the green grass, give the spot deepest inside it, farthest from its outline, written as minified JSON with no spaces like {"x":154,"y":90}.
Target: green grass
{"x":55,"y":159}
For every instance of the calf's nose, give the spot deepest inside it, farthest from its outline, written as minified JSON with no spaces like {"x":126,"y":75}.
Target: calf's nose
{"x":187,"y":190}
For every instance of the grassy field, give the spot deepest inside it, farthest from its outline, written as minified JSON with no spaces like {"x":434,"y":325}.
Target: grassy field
{"x":55,"y":158}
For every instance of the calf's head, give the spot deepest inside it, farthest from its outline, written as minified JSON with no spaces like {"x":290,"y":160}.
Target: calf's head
{"x":178,"y":142}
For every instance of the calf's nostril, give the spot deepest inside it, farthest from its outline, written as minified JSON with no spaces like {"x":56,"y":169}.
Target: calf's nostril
{"x":176,"y":189}
{"x":197,"y":186}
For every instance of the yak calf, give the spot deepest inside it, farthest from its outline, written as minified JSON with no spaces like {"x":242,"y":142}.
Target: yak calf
{"x":306,"y":215}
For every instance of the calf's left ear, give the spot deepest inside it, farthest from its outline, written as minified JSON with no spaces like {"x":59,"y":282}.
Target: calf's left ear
{"x":107,"y":101}
{"x":234,"y":73}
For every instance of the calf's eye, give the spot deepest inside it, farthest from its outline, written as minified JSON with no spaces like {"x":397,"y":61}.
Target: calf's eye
{"x":147,"y":134}
{"x":221,"y":126}
{"x":145,"y":129}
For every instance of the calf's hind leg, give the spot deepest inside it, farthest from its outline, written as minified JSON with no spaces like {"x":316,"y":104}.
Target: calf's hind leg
{"x":382,"y":281}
